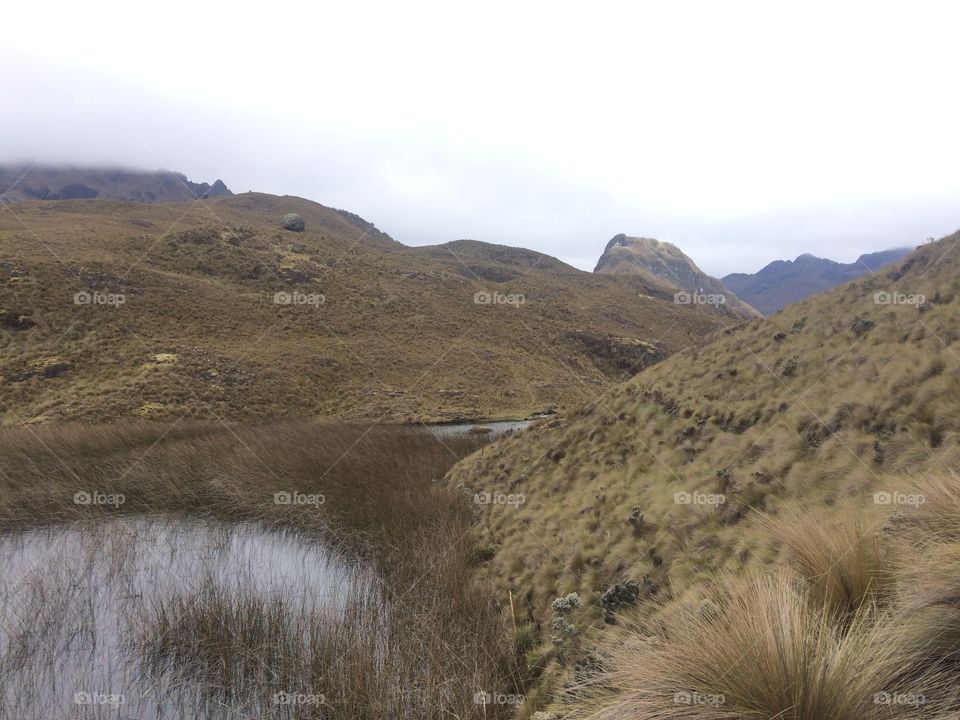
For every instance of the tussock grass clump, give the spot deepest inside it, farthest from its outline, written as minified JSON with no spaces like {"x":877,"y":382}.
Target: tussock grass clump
{"x":244,"y":649}
{"x":928,"y":569}
{"x":860,"y":620}
{"x":937,"y":518}
{"x":759,"y":648}
{"x":928,"y":599}
{"x":843,"y":558}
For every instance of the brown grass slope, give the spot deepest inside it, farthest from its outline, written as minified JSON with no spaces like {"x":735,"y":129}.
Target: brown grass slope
{"x":823,"y":405}
{"x":860,"y":622}
{"x":398,"y":334}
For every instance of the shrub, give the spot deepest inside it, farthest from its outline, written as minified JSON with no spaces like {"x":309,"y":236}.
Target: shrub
{"x":622,"y":594}
{"x":563,"y":629}
{"x":482,"y":554}
{"x":636,"y":521}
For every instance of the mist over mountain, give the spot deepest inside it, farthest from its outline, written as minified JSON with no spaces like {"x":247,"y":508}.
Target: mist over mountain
{"x":53,"y":182}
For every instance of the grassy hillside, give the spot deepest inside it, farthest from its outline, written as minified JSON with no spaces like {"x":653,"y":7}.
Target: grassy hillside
{"x":659,"y":488}
{"x":114,"y":310}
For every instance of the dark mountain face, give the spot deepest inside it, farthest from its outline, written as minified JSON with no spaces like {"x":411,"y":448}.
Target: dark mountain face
{"x":783,"y":282}
{"x":205,"y":190}
{"x":20,"y":183}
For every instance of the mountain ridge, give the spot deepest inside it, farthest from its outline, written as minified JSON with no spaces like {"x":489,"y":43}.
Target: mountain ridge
{"x":21,"y":183}
{"x":783,"y":282}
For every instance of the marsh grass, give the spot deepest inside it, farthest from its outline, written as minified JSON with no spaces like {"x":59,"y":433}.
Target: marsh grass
{"x":411,"y":635}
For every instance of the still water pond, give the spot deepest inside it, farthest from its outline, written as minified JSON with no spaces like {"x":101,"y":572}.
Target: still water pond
{"x":119,"y":619}
{"x":489,"y":429}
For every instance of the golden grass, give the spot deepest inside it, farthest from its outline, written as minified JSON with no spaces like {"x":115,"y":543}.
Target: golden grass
{"x":761,"y":648}
{"x":860,"y":622}
{"x":843,"y":558}
{"x":398,"y":335}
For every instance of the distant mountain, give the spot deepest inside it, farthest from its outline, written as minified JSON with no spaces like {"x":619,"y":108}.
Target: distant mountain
{"x":783,"y":282}
{"x":664,"y":262}
{"x":20,"y":183}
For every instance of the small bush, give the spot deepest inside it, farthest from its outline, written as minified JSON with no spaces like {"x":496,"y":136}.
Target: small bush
{"x":482,"y":554}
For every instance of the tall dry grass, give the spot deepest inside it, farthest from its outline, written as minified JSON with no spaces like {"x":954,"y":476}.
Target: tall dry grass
{"x":843,"y":558}
{"x":860,"y":620}
{"x":420,"y":643}
{"x":758,"y":648}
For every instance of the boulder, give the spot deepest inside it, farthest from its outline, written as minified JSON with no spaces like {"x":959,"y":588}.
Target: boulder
{"x":293,"y":222}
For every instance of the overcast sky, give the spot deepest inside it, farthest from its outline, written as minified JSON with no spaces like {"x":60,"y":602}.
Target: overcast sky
{"x":742,"y":132}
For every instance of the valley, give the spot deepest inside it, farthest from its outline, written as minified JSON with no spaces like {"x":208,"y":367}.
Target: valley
{"x":459,"y":480}
{"x":435,"y":361}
